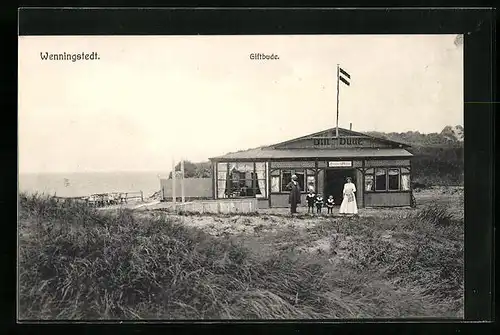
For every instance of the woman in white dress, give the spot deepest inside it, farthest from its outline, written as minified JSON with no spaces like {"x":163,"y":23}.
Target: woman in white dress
{"x":349,"y":205}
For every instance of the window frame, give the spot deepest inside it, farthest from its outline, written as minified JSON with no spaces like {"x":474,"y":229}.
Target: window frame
{"x":292,"y":172}
{"x":375,"y":179}
{"x":298,"y":172}
{"x":401,"y":181}
{"x":306,"y":186}
{"x":306,"y":172}
{"x":386,"y":169}
{"x":271,"y":184}
{"x":245,"y":180}
{"x":373,"y":182}
{"x":310,"y":173}
{"x":398,"y":170}
{"x":282,"y":183}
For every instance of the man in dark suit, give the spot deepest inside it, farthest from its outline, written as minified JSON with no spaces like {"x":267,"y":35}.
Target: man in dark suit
{"x":294,"y":197}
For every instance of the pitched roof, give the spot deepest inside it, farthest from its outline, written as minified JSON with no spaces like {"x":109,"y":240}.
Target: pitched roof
{"x":274,"y":152}
{"x":266,"y":153}
{"x":342,"y":132}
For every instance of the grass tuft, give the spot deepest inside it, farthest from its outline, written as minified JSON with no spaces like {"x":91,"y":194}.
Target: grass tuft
{"x":79,"y":263}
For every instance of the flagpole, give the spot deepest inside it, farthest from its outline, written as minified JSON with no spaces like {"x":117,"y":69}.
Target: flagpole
{"x":337,"y":128}
{"x":174,"y":197}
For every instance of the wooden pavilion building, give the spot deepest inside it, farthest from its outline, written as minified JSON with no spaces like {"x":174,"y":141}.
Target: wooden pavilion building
{"x":380,"y":169}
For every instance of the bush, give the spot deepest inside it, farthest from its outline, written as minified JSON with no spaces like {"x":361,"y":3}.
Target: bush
{"x":103,"y":265}
{"x":438,"y":165}
{"x":435,"y":214}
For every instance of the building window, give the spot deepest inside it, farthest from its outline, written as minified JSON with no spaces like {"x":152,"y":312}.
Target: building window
{"x":275,"y":184}
{"x":286,"y":178}
{"x":281,"y":178}
{"x":380,"y":180}
{"x":405,"y":179}
{"x":369,"y":182}
{"x":310,"y":180}
{"x":405,"y":182}
{"x":393,"y":179}
{"x":369,"y":179}
{"x":236,"y":180}
{"x":300,"y":179}
{"x":261,"y":176}
{"x":311,"y":183}
{"x":221,"y":180}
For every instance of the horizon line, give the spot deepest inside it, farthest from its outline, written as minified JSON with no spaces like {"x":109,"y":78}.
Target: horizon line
{"x":98,"y":171}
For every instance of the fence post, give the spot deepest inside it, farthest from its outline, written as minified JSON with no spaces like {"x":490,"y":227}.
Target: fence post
{"x":142,"y":196}
{"x":173,"y":182}
{"x":182,"y":181}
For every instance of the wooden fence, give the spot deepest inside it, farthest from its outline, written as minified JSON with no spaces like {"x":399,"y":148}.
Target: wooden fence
{"x":194,"y":188}
{"x":227,"y":206}
{"x":104,"y":199}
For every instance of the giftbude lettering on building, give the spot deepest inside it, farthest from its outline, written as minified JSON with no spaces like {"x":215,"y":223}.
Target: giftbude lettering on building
{"x":346,"y":142}
{"x":329,"y":140}
{"x":342,"y":141}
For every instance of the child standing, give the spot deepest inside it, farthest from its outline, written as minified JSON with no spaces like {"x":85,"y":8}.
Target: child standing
{"x":319,"y":203}
{"x":329,"y":204}
{"x":310,"y":197}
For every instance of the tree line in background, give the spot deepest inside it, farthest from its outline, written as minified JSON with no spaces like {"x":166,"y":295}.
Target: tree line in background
{"x":438,"y":157}
{"x":194,"y":170}
{"x":448,"y":137}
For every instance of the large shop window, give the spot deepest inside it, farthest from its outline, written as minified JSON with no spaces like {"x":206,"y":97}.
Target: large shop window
{"x":280,"y":179}
{"x":286,"y":178}
{"x":235,"y":180}
{"x":382,"y":179}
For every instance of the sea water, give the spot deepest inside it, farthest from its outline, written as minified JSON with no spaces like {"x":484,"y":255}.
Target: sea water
{"x":86,"y":183}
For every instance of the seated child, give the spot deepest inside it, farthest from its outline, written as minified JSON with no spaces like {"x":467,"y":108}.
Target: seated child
{"x":319,"y":203}
{"x":310,"y":197}
{"x":329,"y":204}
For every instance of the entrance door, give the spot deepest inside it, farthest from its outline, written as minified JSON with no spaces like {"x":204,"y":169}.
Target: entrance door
{"x":334,"y":183}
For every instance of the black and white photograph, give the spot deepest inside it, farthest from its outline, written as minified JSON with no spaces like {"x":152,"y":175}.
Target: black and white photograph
{"x":241,"y":177}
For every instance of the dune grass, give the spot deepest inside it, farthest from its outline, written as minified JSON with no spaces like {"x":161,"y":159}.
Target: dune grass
{"x":79,"y":263}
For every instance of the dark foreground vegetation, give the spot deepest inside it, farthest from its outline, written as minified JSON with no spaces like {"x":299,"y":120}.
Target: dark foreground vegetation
{"x":79,"y":263}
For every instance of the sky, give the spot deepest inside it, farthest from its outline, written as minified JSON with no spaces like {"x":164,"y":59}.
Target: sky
{"x":151,"y":99}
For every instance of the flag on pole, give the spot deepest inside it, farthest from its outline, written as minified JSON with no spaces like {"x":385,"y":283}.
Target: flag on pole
{"x":344,"y":77}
